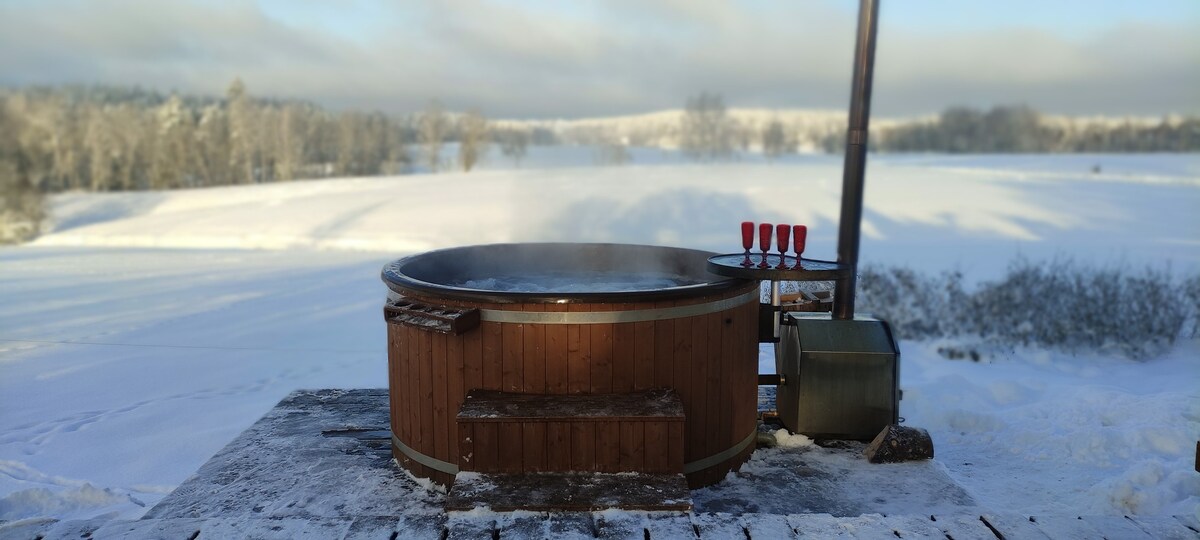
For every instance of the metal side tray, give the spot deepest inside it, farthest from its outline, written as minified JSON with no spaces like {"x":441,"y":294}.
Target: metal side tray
{"x":839,"y":377}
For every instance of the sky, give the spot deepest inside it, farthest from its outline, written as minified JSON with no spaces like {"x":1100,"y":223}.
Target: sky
{"x":551,"y":59}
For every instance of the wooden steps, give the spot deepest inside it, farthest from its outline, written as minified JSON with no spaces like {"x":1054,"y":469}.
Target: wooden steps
{"x":569,"y":492}
{"x":510,"y":433}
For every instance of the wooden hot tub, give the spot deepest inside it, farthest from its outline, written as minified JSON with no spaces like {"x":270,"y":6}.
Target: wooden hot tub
{"x":451,"y":331}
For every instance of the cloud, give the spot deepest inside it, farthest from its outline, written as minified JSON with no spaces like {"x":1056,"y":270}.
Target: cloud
{"x":546,"y":59}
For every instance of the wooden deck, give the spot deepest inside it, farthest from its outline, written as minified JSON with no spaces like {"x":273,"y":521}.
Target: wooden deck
{"x":627,"y":527}
{"x":319,"y":466}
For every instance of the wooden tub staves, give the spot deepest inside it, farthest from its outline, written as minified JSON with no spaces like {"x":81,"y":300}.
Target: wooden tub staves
{"x":696,"y":341}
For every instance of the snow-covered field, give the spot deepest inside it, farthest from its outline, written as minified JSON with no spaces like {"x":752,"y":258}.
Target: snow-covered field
{"x":148,"y":329}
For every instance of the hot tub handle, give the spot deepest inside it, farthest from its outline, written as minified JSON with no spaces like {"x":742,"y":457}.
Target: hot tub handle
{"x":432,"y":317}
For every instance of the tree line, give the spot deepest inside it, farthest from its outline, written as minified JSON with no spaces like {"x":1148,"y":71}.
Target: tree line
{"x":113,"y":139}
{"x":1020,"y":129}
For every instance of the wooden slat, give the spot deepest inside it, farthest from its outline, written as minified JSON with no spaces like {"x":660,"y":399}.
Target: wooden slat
{"x":533,"y":377}
{"x":1164,"y":528}
{"x":602,"y":357}
{"x":608,"y":447}
{"x":557,"y":381}
{"x":1014,"y":526}
{"x":466,"y":446}
{"x":492,"y":406}
{"x":718,"y":526}
{"x":454,"y":389}
{"x":664,"y":350}
{"x":579,"y":357}
{"x":823,"y":526}
{"x":569,"y":525}
{"x":698,"y":423}
{"x":681,"y":373}
{"x":643,"y":355}
{"x":964,"y":527}
{"x":1117,"y":527}
{"x":656,"y":449}
{"x":665,"y":526}
{"x":513,"y":366}
{"x":425,"y":358}
{"x":493,"y":355}
{"x":633,"y":446}
{"x":472,"y":361}
{"x":486,"y":447}
{"x":511,"y":449}
{"x":558,"y":446}
{"x":718,"y":431}
{"x":533,"y":446}
{"x":730,"y":375}
{"x":676,"y":439}
{"x":411,"y":388}
{"x":623,"y":354}
{"x":583,"y":446}
{"x":441,"y":398}
{"x":773,"y":526}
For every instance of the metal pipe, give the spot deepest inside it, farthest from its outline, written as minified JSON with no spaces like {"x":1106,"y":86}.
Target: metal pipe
{"x":775,"y":306}
{"x":854,"y":169}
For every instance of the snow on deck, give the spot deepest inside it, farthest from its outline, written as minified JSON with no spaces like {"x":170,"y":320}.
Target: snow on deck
{"x":319,"y":465}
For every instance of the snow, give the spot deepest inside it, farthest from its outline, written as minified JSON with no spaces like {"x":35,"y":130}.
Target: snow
{"x":149,"y":329}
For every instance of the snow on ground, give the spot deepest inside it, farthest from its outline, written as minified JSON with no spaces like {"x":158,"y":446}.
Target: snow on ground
{"x":149,"y":329}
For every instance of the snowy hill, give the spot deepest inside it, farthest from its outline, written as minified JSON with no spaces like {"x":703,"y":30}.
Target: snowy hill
{"x":146,"y":330}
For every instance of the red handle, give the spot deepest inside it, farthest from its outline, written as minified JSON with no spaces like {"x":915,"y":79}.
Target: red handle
{"x":784,"y":232}
{"x":799,"y":236}
{"x":747,"y":235}
{"x":764,"y":236}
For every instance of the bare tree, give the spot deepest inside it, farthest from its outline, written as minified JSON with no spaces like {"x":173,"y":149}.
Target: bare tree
{"x":514,"y":143}
{"x":706,"y":129}
{"x":472,"y":138}
{"x":432,"y":126}
{"x":242,"y":136}
{"x":774,"y":141}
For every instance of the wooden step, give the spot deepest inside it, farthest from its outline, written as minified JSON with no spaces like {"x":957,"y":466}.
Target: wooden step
{"x":503,"y":432}
{"x":569,"y":492}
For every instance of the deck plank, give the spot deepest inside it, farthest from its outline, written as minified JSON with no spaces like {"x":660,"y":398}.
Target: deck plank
{"x":1014,"y":525}
{"x":550,"y":492}
{"x":819,"y":526}
{"x":1066,"y":527}
{"x":967,"y":527}
{"x":767,"y":526}
{"x":669,"y":526}
{"x":468,"y":527}
{"x":1164,"y":528}
{"x":718,"y":526}
{"x":570,"y":525}
{"x":1116,"y":527}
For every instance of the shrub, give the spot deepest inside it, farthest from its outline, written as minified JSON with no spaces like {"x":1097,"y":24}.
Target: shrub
{"x":1057,"y":304}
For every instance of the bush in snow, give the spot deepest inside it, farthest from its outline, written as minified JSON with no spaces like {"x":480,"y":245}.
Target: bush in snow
{"x":1057,"y":304}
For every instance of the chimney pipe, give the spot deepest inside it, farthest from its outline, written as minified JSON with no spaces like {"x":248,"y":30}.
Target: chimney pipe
{"x":854,"y":169}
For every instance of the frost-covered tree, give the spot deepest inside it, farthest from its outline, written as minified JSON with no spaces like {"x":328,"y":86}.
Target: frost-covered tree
{"x":432,"y":127}
{"x":774,"y":141}
{"x":706,"y":129}
{"x":472,"y":138}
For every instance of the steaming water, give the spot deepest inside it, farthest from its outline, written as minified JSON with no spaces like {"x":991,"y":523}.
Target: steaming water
{"x":578,"y":282}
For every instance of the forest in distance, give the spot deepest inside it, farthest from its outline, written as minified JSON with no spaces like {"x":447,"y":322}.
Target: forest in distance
{"x":101,"y":138}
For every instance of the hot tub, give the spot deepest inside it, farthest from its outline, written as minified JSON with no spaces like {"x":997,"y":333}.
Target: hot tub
{"x":570,"y":319}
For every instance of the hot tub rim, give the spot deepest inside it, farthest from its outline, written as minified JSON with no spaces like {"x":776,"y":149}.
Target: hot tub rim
{"x":401,"y":283}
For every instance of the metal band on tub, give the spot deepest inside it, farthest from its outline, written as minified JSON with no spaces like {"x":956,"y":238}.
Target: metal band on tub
{"x":718,"y":458}
{"x":432,"y":463}
{"x":611,"y":317}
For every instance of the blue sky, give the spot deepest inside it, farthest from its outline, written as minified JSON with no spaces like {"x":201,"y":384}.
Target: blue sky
{"x":543,"y":58}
